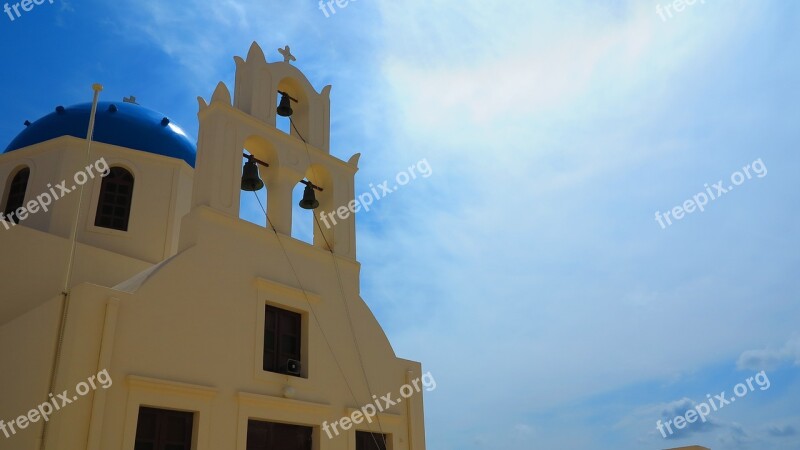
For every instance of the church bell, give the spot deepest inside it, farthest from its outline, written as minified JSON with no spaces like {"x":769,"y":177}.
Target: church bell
{"x":285,"y":106}
{"x":309,"y":200}
{"x":251,"y":181}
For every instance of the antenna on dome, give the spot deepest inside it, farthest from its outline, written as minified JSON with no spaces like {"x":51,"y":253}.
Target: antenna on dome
{"x":130,"y":99}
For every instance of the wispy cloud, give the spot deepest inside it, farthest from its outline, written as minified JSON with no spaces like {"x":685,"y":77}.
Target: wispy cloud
{"x":782,"y":431}
{"x":771,"y":358}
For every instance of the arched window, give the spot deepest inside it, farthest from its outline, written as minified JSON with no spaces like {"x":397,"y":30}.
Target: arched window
{"x":16,"y":193}
{"x":114,"y":205}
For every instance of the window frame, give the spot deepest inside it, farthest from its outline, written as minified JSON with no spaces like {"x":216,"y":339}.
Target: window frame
{"x":279,"y":339}
{"x":160,"y":440}
{"x":293,"y":299}
{"x":307,"y":428}
{"x":100,"y":203}
{"x":10,"y":183}
{"x":361,"y":435}
{"x":169,"y":394}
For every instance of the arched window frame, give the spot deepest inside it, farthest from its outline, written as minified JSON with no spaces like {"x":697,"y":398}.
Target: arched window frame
{"x":17,"y":188}
{"x":115,"y":199}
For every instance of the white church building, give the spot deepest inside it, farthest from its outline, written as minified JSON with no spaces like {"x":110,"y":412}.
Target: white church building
{"x":138,"y":311}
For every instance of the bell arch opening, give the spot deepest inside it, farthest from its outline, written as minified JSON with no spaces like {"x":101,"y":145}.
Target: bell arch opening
{"x":257,"y":152}
{"x":299,"y":121}
{"x":302,"y":218}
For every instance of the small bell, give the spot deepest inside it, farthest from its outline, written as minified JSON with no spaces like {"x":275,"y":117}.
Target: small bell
{"x":285,"y":106}
{"x":251,"y":181}
{"x":309,"y":200}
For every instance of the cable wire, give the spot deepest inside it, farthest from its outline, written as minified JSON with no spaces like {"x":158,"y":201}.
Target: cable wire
{"x":338,"y":275}
{"x":316,"y":319}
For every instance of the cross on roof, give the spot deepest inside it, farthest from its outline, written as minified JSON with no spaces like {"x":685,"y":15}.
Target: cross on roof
{"x":287,"y":54}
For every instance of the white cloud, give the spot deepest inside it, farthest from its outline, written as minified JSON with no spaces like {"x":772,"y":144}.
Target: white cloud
{"x":782,"y":431}
{"x":770,"y":358}
{"x":519,"y":254}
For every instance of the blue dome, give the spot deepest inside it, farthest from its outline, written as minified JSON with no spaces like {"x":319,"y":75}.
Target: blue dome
{"x":123,"y":124}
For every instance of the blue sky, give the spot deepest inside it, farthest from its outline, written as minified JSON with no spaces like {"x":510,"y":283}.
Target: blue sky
{"x":528,"y":273}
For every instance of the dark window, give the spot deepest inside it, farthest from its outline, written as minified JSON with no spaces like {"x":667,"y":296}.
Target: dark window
{"x":370,"y":441}
{"x":282,"y":331}
{"x":16,"y":193}
{"x":160,"y":429}
{"x":277,"y":436}
{"x":114,"y":205}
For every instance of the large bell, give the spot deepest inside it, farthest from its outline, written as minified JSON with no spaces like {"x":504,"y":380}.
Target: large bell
{"x":309,"y":200}
{"x":285,"y":106}
{"x":250,"y":179}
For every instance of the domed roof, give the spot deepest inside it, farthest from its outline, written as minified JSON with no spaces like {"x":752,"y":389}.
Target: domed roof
{"x":117,"y":123}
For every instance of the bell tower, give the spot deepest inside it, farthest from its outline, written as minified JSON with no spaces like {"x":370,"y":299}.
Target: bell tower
{"x":247,"y":124}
